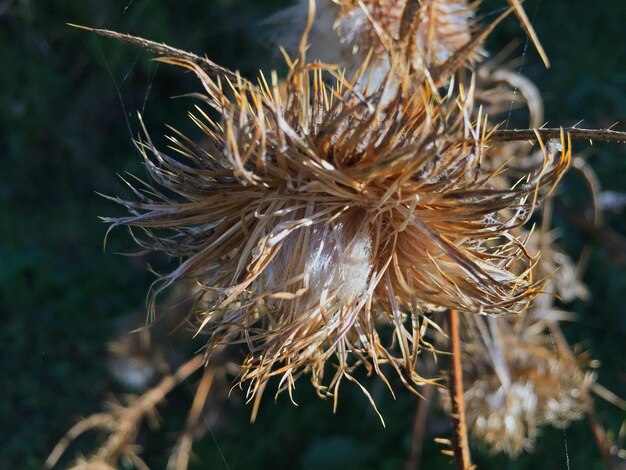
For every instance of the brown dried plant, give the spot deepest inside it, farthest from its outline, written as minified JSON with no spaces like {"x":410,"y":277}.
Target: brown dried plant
{"x":320,"y":210}
{"x":517,"y":377}
{"x":347,"y":31}
{"x":122,"y":424}
{"x":313,"y":214}
{"x":362,"y":28}
{"x":516,"y":382}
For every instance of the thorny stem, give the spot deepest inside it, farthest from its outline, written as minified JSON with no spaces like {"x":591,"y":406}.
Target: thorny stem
{"x":460,"y":445}
{"x":508,"y":135}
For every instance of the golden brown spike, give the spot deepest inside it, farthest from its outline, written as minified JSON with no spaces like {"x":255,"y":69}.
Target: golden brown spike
{"x":528,"y":27}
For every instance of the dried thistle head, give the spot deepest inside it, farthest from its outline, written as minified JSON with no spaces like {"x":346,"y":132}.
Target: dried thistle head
{"x":313,"y":213}
{"x":348,"y":32}
{"x":516,"y":382}
{"x":433,"y":31}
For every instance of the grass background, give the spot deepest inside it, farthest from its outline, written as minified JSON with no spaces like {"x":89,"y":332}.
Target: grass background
{"x":68,"y":105}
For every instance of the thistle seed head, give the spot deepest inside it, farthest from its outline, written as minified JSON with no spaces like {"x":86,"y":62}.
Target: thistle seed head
{"x":348,"y":32}
{"x":311,"y":215}
{"x":505,"y":410}
{"x":316,"y":210}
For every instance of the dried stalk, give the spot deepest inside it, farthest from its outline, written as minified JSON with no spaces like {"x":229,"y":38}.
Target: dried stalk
{"x":124,"y":422}
{"x":182,"y":452}
{"x":460,"y":444}
{"x":601,"y":439}
{"x":510,"y":135}
{"x":205,"y":64}
{"x":130,"y":419}
{"x":100,"y":420}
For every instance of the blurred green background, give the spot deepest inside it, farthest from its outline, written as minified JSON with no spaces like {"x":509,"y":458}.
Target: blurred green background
{"x":68,"y":104}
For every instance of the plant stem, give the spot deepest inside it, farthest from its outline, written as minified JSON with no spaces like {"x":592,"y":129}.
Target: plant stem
{"x":508,"y":135}
{"x":460,"y":445}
